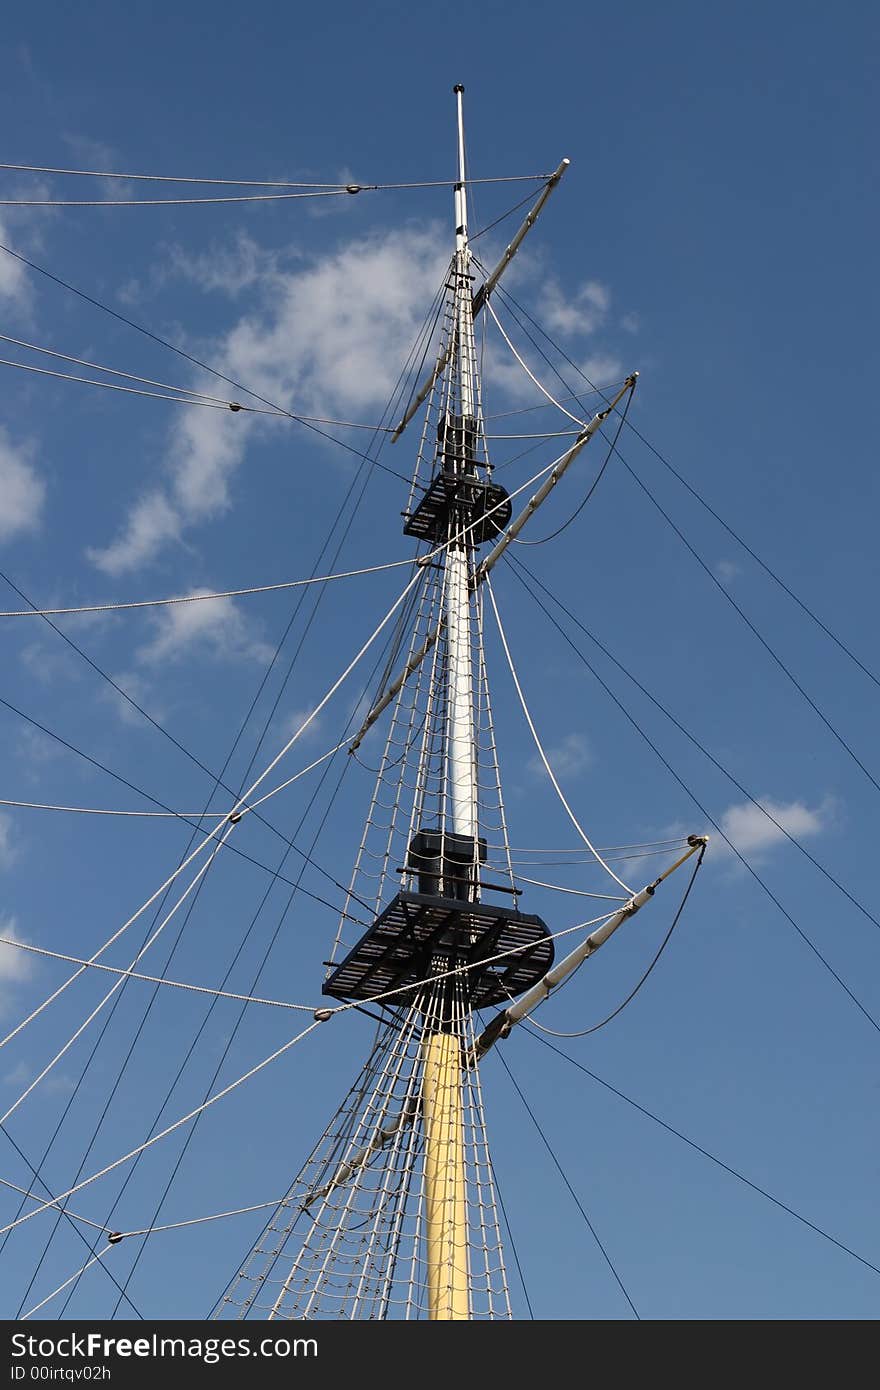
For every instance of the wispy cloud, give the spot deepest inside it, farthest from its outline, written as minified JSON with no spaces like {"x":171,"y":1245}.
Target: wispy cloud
{"x":35,"y":751}
{"x":48,"y":661}
{"x":569,"y":314}
{"x":323,"y":335}
{"x":139,"y":689}
{"x":16,"y":966}
{"x":152,"y":523}
{"x":22,"y":233}
{"x":22,"y":490}
{"x":8,"y":848}
{"x":95,"y":154}
{"x":754,"y":833}
{"x":602,"y":368}
{"x":327,"y":339}
{"x":727,"y":570}
{"x":297,"y":718}
{"x":14,"y":284}
{"x":570,"y":756}
{"x":216,"y":627}
{"x":226,"y":269}
{"x":56,"y":1083}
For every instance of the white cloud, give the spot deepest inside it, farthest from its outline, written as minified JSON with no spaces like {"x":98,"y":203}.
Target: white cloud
{"x":36,"y":750}
{"x":753,"y":832}
{"x":502,"y":372}
{"x":568,"y":758}
{"x":328,"y":340}
{"x":226,"y":269}
{"x":19,"y":230}
{"x":94,"y":154}
{"x":48,"y":662}
{"x":56,"y":1083}
{"x":323,"y":335}
{"x":152,"y":523}
{"x":22,"y":490}
{"x":297,"y":718}
{"x":215,"y":626}
{"x":130,"y":291}
{"x":14,"y":284}
{"x":8,"y":850}
{"x":334,"y":207}
{"x":140,"y":690}
{"x":601,"y":368}
{"x":727,"y":570}
{"x":16,"y":965}
{"x":630,"y":323}
{"x":570,"y":314}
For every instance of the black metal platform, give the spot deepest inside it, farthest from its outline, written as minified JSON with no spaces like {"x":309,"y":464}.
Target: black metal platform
{"x":402,"y":946}
{"x":485,"y":506}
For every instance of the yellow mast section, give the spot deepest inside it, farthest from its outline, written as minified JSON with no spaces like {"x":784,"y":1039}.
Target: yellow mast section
{"x":445,"y":1179}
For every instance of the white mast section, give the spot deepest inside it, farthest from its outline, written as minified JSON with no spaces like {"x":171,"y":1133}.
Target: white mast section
{"x":461,"y":754}
{"x":483,"y":293}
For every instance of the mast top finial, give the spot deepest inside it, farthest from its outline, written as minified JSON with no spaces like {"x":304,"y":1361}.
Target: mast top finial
{"x":459,"y":87}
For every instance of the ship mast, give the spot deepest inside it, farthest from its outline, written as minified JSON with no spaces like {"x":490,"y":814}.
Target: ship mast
{"x":445,"y":1182}
{"x":394,"y":1212}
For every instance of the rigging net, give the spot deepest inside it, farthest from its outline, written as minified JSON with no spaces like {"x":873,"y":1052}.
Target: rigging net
{"x":347,"y":1241}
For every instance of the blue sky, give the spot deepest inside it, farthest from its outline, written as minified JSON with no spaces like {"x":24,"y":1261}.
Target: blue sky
{"x":716,"y":232}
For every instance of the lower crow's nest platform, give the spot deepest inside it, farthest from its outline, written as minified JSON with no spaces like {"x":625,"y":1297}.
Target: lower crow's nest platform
{"x":485,"y":507}
{"x":404,"y":943}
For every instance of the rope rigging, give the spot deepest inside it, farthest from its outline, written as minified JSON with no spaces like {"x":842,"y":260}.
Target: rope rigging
{"x":199,"y":1032}
{"x":236,"y":813}
{"x":731,"y":1171}
{"x":541,"y":753}
{"x":203,"y":366}
{"x":771,"y":651}
{"x":515,"y":308}
{"x":754,"y":801}
{"x":35,"y":612}
{"x":332,"y":1248}
{"x":574,"y":1196}
{"x":713,"y":1158}
{"x":185,"y":1119}
{"x":824,"y":962}
{"x":332,"y":185}
{"x":176,"y":202}
{"x":72,"y":1222}
{"x":139,"y":791}
{"x":322,"y":1015}
{"x":186,"y":1141}
{"x":151,"y":979}
{"x":416,"y":730}
{"x":115,"y":607}
{"x":357,"y":1233}
{"x":239,"y":808}
{"x":621,"y":421}
{"x":585,"y":1032}
{"x":278,"y":874}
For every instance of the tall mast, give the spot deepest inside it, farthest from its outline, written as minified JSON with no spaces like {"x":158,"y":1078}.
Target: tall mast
{"x":394,"y":1213}
{"x":445,"y":1177}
